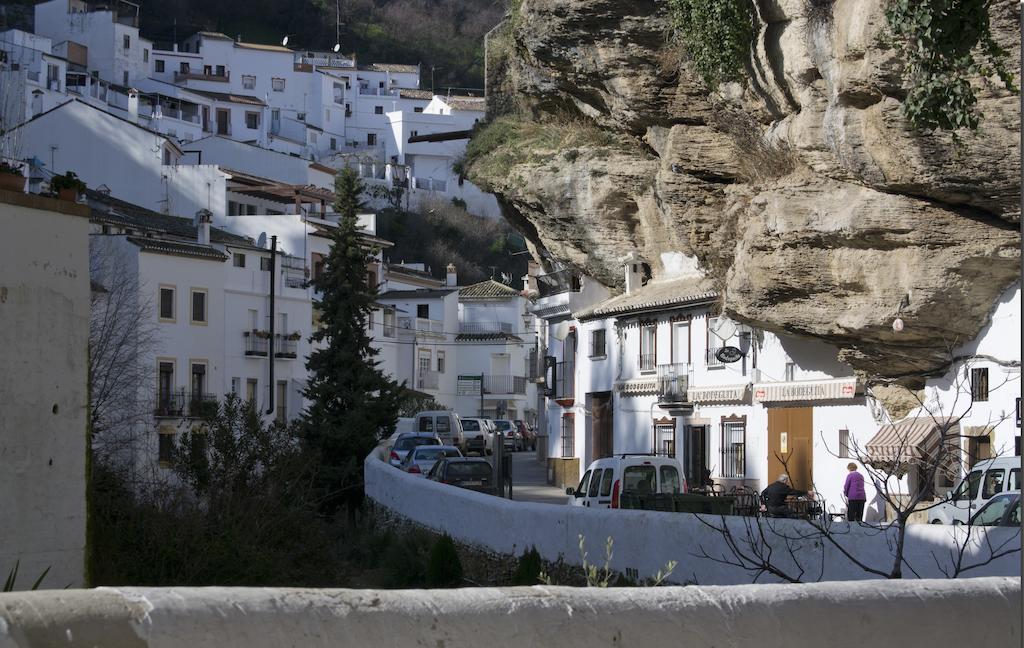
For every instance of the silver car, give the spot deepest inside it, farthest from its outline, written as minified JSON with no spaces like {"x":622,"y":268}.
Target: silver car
{"x":421,"y":459}
{"x":406,"y":442}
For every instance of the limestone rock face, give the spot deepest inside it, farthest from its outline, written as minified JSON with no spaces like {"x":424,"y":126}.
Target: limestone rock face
{"x":803,"y":194}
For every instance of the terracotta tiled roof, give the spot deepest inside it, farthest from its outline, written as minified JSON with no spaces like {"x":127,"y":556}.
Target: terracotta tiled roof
{"x":213,"y":34}
{"x":107,"y":209}
{"x":482,"y":337}
{"x":489,"y":289}
{"x":260,"y":46}
{"x":655,"y":296}
{"x":408,"y":93}
{"x":177,"y":248}
{"x":467,"y":103}
{"x":425,"y":293}
{"x":230,"y":97}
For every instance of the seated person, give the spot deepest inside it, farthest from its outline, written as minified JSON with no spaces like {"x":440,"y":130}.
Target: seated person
{"x":775,"y":496}
{"x":706,"y":481}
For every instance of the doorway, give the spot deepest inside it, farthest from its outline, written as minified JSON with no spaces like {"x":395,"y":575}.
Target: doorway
{"x":223,"y":121}
{"x":601,"y":430}
{"x":695,"y":453}
{"x":790,"y":445}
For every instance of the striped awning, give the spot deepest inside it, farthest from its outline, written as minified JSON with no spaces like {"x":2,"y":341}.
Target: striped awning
{"x":909,"y":440}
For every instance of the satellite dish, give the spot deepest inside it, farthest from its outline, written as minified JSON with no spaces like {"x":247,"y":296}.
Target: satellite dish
{"x":261,"y":242}
{"x":560,"y":331}
{"x":725,"y":329}
{"x":284,"y":42}
{"x":337,"y":47}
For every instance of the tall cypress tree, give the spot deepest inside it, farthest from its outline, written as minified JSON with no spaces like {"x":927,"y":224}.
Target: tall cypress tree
{"x":353,"y":403}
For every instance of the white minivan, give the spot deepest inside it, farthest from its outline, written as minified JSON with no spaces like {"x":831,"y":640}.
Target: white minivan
{"x":986,"y":479}
{"x":606,"y":479}
{"x":446,"y":425}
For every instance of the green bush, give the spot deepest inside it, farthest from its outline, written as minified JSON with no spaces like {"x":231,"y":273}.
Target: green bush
{"x":444,"y":568}
{"x":717,"y":35}
{"x":527,"y":571}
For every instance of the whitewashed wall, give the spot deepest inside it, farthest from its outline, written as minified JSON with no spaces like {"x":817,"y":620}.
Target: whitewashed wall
{"x":646,"y":540}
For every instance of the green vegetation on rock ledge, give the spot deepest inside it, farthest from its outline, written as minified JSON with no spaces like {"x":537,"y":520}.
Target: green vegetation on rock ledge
{"x":716,"y":34}
{"x":944,"y":42}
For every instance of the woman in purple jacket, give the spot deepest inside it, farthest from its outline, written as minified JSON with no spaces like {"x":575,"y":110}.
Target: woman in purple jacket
{"x":853,"y":490}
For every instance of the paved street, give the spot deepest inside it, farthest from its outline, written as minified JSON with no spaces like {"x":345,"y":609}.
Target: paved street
{"x":529,"y":481}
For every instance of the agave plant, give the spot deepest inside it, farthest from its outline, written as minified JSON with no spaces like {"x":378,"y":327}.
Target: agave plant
{"x":13,"y":576}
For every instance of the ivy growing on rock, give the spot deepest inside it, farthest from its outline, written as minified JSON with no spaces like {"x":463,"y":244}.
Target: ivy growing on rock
{"x":716,"y":34}
{"x":944,"y":43}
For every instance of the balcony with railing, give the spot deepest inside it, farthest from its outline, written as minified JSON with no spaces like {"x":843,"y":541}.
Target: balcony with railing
{"x":483,"y":328}
{"x":502,"y":384}
{"x":170,"y":404}
{"x":294,"y":270}
{"x":202,"y":76}
{"x":202,"y":405}
{"x":733,"y":462}
{"x":324,"y":59}
{"x":257,"y":343}
{"x":428,"y":379}
{"x":712,"y":360}
{"x":286,"y":346}
{"x":557,"y":283}
{"x":565,"y":381}
{"x":648,"y":362}
{"x":673,"y":382}
{"x":421,"y":325}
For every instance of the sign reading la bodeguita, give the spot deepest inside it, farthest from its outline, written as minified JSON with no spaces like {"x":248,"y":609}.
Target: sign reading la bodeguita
{"x":810,"y":390}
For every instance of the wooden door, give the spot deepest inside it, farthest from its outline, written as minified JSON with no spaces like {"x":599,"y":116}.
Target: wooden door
{"x":223,"y":122}
{"x":602,"y":426}
{"x":790,"y":445}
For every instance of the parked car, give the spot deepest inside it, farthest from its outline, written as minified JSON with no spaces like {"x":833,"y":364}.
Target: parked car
{"x":422,"y":458}
{"x":526,"y":434}
{"x":473,"y":473}
{"x":512,"y":439}
{"x":986,"y":479}
{"x":406,"y":442}
{"x":478,"y":435}
{"x":1001,"y":510}
{"x":606,"y":479}
{"x":446,"y":425}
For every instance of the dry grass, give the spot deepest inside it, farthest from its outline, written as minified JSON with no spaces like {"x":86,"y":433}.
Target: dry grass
{"x":760,"y":159}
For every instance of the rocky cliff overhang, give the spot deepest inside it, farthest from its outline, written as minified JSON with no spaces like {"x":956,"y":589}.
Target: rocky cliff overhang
{"x":805,"y":196}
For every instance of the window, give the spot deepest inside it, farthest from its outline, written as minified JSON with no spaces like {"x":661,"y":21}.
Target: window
{"x":165,"y":453}
{"x":423,"y":311}
{"x":248,"y":82}
{"x":844,"y":444}
{"x":595,"y":482}
{"x":418,"y":109}
{"x":413,"y":133}
{"x":145,"y":56}
{"x":236,"y":386}
{"x":281,"y":406}
{"x":584,"y":484}
{"x":127,"y":40}
{"x":277,"y":84}
{"x":390,"y":320}
{"x":198,"y":381}
{"x":597,"y":343}
{"x":371,"y":139}
{"x":568,"y":436}
{"x":238,"y":259}
{"x":252,"y":120}
{"x":265,"y":264}
{"x":992,"y":514}
{"x":606,"y":482}
{"x":993,"y":483}
{"x":670,"y":480}
{"x":124,"y":78}
{"x":424,"y":361}
{"x":220,"y":71}
{"x":648,"y":347}
{"x":251,"y":385}
{"x":640,"y":478}
{"x":380,"y":84}
{"x":378,"y":110}
{"x":208,"y":70}
{"x":159,"y":65}
{"x":440,"y":362}
{"x":733,"y":449}
{"x":979,"y":384}
{"x":371,"y":279}
{"x":790,"y":372}
{"x":167,"y":156}
{"x":198,"y":306}
{"x":183,"y":67}
{"x":165,"y":389}
{"x":167,"y":303}
{"x":334,"y":144}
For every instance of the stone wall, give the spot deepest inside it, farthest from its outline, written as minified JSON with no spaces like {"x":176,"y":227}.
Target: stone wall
{"x":979,"y":612}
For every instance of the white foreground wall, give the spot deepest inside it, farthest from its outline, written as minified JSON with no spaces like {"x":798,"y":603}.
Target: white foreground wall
{"x":646,"y":540}
{"x":981,"y":612}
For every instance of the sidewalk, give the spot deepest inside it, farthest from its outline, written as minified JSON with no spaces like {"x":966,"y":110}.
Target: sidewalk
{"x":529,"y":481}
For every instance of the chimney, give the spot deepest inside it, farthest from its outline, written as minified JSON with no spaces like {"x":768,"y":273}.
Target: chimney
{"x":133,"y":104}
{"x":203,"y":219}
{"x":452,"y":279}
{"x":634,"y":276}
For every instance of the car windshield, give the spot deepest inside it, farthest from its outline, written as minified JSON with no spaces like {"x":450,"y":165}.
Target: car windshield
{"x":408,"y":443}
{"x":469,"y":470}
{"x":639,"y":478}
{"x":470,"y":425}
{"x":503,"y":425}
{"x":433,"y":454}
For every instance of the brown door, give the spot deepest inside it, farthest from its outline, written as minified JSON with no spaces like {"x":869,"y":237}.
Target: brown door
{"x":206,"y":119}
{"x":790,"y":445}
{"x":602,"y":425}
{"x":223,"y":122}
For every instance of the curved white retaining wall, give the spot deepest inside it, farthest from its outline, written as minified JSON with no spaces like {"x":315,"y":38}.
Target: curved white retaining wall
{"x":975,"y":612}
{"x":646,"y":540}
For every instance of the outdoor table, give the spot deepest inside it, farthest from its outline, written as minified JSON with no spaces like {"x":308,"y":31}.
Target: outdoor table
{"x":804,"y":509}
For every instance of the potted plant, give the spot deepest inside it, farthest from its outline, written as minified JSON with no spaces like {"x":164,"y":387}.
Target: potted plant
{"x":67,"y":186}
{"x":295,"y":336}
{"x":11,"y":178}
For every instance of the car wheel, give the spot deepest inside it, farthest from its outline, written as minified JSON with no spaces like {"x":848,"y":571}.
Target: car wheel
{"x":957,"y":522}
{"x":936,"y":521}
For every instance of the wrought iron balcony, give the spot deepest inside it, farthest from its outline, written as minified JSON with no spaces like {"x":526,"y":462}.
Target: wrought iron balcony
{"x":201,"y":405}
{"x":565,"y":381}
{"x":257,"y":343}
{"x":285,"y":346}
{"x":673,"y":382}
{"x":556,"y":283}
{"x":502,"y":384}
{"x":170,"y":404}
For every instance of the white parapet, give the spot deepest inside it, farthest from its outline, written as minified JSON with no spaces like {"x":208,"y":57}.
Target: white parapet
{"x":973,"y":612}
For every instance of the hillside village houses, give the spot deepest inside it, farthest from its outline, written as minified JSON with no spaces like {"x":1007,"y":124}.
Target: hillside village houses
{"x":323,"y":107}
{"x":639,"y":373}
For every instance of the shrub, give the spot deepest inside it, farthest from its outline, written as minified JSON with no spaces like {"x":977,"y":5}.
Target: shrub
{"x":527,"y":571}
{"x":444,"y":568}
{"x":717,"y":35}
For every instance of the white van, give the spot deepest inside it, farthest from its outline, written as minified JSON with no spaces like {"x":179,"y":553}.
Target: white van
{"x":606,"y":479}
{"x":987,"y":479}
{"x":446,"y":425}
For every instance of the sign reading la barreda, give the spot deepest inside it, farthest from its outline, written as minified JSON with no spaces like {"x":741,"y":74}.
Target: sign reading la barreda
{"x":806,"y":390}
